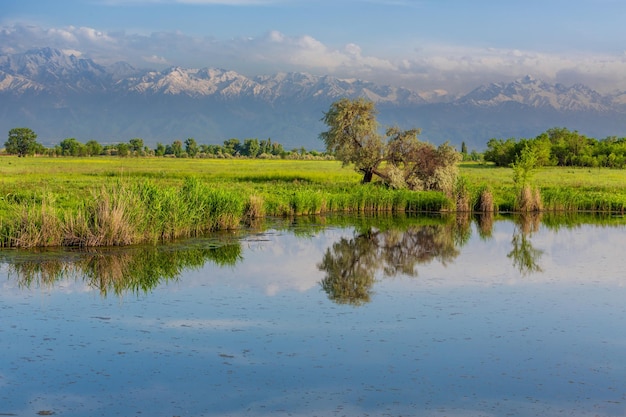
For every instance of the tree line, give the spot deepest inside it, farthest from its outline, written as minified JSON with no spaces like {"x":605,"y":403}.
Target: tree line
{"x":23,"y":142}
{"x":560,"y":147}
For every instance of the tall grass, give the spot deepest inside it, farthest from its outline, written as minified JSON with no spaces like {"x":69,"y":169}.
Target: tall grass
{"x":577,"y":199}
{"x":63,"y":202}
{"x":528,"y":199}
{"x":127,"y":212}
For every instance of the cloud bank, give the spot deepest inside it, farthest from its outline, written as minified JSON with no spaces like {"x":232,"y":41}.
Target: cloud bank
{"x":423,"y":67}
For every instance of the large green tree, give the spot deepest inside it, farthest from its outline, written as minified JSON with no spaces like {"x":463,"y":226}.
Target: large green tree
{"x":22,"y":141}
{"x":352,"y":135}
{"x":70,"y":147}
{"x":353,"y":138}
{"x":191,"y":147}
{"x":136,"y":145}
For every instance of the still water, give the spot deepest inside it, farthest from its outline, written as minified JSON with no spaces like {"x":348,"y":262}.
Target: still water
{"x":375,"y":317}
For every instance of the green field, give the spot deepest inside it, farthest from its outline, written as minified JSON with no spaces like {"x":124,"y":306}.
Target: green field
{"x":116,"y":201}
{"x":562,"y":188}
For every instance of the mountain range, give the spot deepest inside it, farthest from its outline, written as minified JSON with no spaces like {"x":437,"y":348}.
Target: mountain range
{"x":61,"y":95}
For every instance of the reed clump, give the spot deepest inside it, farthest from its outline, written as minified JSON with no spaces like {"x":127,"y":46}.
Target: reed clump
{"x":106,"y":221}
{"x":34,"y":224}
{"x":125,"y":214}
{"x":485,"y":202}
{"x":462,"y":195}
{"x":255,"y":208}
{"x":528,"y":199}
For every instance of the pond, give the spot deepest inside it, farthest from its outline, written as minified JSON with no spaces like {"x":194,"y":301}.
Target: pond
{"x":324,"y":317}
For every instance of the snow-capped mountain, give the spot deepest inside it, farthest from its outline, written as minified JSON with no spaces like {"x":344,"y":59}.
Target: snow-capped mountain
{"x":536,"y":93}
{"x":76,"y":97}
{"x":53,"y":70}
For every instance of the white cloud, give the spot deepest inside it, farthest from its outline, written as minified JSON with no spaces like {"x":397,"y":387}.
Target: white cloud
{"x":154,"y":59}
{"x":72,"y":52}
{"x":426,"y":66}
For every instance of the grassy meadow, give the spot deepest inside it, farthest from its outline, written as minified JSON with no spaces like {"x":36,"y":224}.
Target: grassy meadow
{"x":107,"y":201}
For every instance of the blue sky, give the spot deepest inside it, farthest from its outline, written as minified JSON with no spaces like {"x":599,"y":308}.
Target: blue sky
{"x":451,"y":45}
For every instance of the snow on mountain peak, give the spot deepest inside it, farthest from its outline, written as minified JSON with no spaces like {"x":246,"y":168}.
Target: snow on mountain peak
{"x":49,"y":69}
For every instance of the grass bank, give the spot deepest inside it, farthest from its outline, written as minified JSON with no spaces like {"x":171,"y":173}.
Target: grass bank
{"x":120,"y":201}
{"x":561,"y":189}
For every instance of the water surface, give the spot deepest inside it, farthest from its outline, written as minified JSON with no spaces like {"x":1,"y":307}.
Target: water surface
{"x":419,"y":318}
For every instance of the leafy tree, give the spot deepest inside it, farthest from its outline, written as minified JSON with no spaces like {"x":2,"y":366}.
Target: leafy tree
{"x":210,"y":149}
{"x":136,"y":145}
{"x":22,"y":141}
{"x":524,"y":166}
{"x":123,"y":149}
{"x":176,"y":149}
{"x":70,"y":147}
{"x":568,"y":147}
{"x":265,"y":146}
{"x":159,"y":150}
{"x":501,"y":152}
{"x":251,"y":148}
{"x":232,"y":146}
{"x":277,"y":149}
{"x":542,"y":149}
{"x":475,"y":156}
{"x":409,"y":163}
{"x":93,"y":148}
{"x":191,"y":147}
{"x":352,"y":135}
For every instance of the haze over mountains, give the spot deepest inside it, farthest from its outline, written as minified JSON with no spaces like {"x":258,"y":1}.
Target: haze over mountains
{"x":60,"y":95}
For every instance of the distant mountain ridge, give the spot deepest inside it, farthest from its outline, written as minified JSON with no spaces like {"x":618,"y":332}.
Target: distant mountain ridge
{"x":536,"y":93}
{"x":60,"y":94}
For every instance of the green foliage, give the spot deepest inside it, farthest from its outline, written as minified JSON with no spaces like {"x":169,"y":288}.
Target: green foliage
{"x":71,"y":147}
{"x":524,"y":166}
{"x":123,"y":149}
{"x":136,"y":270}
{"x":93,"y":148}
{"x":22,"y":141}
{"x":232,"y":146}
{"x":501,"y":152}
{"x":191,"y":147}
{"x":251,"y":148}
{"x":136,"y":145}
{"x":561,"y":147}
{"x":352,"y":135}
{"x":159,"y":150}
{"x":351,"y":265}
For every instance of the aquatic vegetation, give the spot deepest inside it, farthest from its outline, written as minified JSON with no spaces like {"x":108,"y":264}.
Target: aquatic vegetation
{"x":118,"y":201}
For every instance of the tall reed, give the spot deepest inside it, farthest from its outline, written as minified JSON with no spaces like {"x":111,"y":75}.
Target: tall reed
{"x":528,"y":199}
{"x":485,"y":202}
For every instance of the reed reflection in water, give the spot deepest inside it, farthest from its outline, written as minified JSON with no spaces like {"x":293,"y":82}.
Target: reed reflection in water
{"x":351,"y":265}
{"x":386,"y":316}
{"x":118,"y":270}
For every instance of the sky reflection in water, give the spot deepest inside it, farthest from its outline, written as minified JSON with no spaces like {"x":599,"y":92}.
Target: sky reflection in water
{"x":469,"y":333}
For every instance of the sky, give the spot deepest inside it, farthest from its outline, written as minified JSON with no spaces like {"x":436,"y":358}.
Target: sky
{"x":426,"y":45}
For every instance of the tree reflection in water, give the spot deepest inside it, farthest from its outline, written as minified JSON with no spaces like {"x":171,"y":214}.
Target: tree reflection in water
{"x":525,"y":257}
{"x":351,"y":264}
{"x":379,"y":247}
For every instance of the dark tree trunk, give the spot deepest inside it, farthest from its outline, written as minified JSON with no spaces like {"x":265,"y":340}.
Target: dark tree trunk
{"x":367,"y":176}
